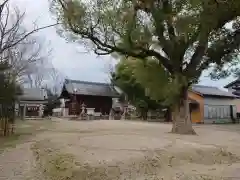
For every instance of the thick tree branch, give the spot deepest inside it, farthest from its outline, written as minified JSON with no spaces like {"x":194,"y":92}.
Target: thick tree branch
{"x":142,"y":54}
{"x":107,"y":48}
{"x":220,"y":17}
{"x":167,"y":9}
{"x":220,"y":49}
{"x":162,"y":41}
{"x":198,"y":54}
{"x":204,"y":33}
{"x":156,"y":9}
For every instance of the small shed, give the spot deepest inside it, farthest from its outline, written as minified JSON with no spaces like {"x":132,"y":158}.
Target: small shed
{"x":91,"y":94}
{"x":219,"y":106}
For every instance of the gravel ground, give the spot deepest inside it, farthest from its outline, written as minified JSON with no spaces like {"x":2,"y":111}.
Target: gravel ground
{"x":109,"y":150}
{"x":17,"y":161}
{"x":18,"y":164}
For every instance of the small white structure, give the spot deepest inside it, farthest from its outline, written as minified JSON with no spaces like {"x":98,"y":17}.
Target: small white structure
{"x":90,"y":111}
{"x":57,"y":112}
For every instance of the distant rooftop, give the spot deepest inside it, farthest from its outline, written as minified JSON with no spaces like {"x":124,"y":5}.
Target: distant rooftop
{"x":211,"y":91}
{"x":90,"y":88}
{"x":233,"y":83}
{"x":33,"y":94}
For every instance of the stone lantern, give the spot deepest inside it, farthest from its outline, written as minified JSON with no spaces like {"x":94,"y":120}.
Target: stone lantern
{"x":83,"y":115}
{"x":83,"y":107}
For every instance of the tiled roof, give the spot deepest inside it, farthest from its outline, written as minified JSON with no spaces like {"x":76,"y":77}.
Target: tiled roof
{"x":211,"y":91}
{"x":236,"y":82}
{"x":90,"y":88}
{"x":33,"y":94}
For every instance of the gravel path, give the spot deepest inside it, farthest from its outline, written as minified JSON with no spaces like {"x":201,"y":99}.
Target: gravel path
{"x":18,"y":163}
{"x":125,"y":149}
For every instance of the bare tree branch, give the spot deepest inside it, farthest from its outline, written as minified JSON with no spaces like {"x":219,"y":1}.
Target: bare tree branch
{"x":27,"y":57}
{"x":56,"y":79}
{"x":19,"y":48}
{"x":11,"y":31}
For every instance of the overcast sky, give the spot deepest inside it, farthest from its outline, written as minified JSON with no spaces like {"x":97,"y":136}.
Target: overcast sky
{"x":71,"y":59}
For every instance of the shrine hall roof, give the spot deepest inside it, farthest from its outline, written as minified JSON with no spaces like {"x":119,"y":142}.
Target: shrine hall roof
{"x":233,"y":83}
{"x":90,"y":88}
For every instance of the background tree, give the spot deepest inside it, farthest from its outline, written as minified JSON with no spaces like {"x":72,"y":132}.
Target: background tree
{"x":184,"y":36}
{"x":28,"y":60}
{"x":12,"y":31}
{"x":124,"y":78}
{"x":53,"y":102}
{"x":9,"y":89}
{"x":56,"y":79}
{"x":53,"y":86}
{"x":23,"y":51}
{"x":18,"y":51}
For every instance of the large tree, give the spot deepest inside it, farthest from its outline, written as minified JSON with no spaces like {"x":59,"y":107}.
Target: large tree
{"x":185,"y":37}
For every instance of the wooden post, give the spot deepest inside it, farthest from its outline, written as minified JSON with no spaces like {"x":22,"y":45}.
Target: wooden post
{"x":24,"y":111}
{"x":2,"y":126}
{"x":5,"y":132}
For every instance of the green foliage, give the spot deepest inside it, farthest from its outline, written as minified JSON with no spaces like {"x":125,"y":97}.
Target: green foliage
{"x":53,"y":102}
{"x":9,"y":92}
{"x":154,"y":81}
{"x":179,"y":38}
{"x":125,"y":79}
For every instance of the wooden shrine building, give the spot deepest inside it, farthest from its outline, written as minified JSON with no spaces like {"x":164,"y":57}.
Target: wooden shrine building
{"x":91,"y":94}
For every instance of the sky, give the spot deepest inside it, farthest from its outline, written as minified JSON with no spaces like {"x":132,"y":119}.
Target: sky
{"x":73,"y":60}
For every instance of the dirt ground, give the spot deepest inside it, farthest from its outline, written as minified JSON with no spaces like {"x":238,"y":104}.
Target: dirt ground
{"x":112,"y":150}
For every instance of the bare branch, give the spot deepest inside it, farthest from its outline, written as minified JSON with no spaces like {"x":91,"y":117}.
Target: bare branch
{"x":2,"y":6}
{"x":11,"y":30}
{"x":25,"y":36}
{"x":56,"y":79}
{"x":26,"y":57}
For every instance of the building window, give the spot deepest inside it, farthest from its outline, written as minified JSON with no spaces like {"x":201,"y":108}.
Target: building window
{"x":222,"y":113}
{"x":216,"y":111}
{"x":206,"y":111}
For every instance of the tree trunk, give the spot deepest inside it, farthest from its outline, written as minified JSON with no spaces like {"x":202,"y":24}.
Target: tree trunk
{"x":168,"y":115}
{"x":181,"y":116}
{"x":144,"y":112}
